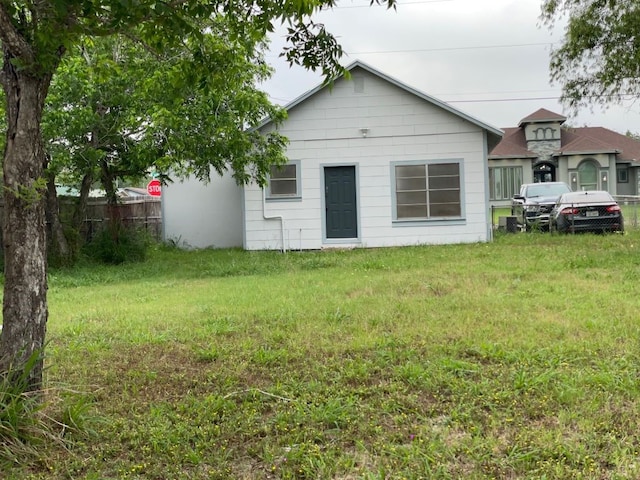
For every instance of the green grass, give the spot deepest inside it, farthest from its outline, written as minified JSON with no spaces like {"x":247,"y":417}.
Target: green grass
{"x":515,"y":359}
{"x":497,"y":212}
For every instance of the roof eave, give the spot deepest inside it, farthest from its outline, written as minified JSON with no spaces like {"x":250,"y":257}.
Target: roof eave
{"x":543,"y":120}
{"x":506,"y":157}
{"x":584,"y":152}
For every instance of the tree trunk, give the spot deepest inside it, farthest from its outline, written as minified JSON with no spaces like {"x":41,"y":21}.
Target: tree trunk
{"x":59,"y":247}
{"x":80,"y":212}
{"x":24,"y":233}
{"x":109,"y":184}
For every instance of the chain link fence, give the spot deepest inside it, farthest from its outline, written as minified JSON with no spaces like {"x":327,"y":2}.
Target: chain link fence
{"x":577,"y":218}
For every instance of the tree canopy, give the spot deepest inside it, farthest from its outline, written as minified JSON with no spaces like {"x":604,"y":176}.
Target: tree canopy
{"x":115,"y":110}
{"x":598,"y":60}
{"x":34,"y":38}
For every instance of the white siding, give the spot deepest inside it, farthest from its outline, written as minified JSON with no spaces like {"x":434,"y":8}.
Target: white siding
{"x":325,"y":130}
{"x":199,"y":215}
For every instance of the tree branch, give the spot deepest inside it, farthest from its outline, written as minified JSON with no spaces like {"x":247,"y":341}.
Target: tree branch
{"x":11,"y":39}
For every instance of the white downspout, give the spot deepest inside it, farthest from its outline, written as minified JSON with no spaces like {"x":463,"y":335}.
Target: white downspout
{"x":273,"y":217}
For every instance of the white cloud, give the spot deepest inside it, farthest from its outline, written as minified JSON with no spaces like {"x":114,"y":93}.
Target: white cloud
{"x":460,"y":51}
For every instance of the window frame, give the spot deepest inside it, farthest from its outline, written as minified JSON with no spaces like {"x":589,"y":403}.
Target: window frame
{"x":510,"y":171}
{"x":428,"y":219}
{"x":622,"y":175}
{"x":270,"y":196}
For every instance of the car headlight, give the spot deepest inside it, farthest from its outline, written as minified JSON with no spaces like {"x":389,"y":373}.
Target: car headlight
{"x":532,"y":208}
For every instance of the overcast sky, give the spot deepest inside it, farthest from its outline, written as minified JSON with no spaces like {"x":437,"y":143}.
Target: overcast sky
{"x":488,"y":58}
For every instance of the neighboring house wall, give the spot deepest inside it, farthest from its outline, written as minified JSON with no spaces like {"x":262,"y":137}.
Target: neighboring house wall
{"x":627,"y":180}
{"x":506,"y":176}
{"x":604,"y":170}
{"x":369,"y":126}
{"x":200,"y":215}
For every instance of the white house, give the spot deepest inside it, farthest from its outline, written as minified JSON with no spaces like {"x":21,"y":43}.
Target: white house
{"x":372,"y":163}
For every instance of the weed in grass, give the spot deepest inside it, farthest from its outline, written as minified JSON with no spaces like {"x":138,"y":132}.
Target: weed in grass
{"x":22,"y":423}
{"x":207,"y":355}
{"x":269,"y":357}
{"x":33,"y":424}
{"x":332,"y":413}
{"x":415,"y":375}
{"x":338,"y":316}
{"x":221,"y":325}
{"x":78,"y":418}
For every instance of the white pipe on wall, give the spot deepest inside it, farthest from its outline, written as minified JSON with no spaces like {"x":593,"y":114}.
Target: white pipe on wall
{"x":273,"y":217}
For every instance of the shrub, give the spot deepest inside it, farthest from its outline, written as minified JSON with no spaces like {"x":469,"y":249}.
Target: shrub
{"x":117,"y":244}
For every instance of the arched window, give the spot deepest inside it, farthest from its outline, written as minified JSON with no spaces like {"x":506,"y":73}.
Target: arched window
{"x":588,"y":175}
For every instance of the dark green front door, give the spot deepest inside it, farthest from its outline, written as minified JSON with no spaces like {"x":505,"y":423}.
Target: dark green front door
{"x":340,"y":202}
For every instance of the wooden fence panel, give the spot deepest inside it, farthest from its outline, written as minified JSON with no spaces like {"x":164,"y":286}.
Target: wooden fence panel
{"x":142,"y":212}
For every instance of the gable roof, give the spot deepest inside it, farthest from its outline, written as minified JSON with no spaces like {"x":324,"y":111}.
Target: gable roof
{"x":627,"y":148}
{"x":434,"y":101}
{"x":578,"y":140}
{"x":573,"y":141}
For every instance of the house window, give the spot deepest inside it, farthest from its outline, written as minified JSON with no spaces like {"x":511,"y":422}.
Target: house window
{"x":284,"y":181}
{"x":588,"y":175}
{"x":623,"y":175}
{"x":427,"y":191}
{"x":504,"y":182}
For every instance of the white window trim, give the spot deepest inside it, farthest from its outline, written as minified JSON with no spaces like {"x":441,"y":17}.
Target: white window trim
{"x":270,"y":197}
{"x":429,"y":220}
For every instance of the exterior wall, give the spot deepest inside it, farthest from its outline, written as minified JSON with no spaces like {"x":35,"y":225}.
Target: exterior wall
{"x":612,"y":183}
{"x":542,"y":131}
{"x":573,"y":161}
{"x":199,"y":215}
{"x":327,"y":130}
{"x":543,"y":139}
{"x":634,"y":179}
{"x":527,"y":174}
{"x":606,"y":169}
{"x":631,"y":186}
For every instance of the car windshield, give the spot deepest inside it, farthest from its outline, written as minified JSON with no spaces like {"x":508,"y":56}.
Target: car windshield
{"x":583,"y":197}
{"x":547,"y":189}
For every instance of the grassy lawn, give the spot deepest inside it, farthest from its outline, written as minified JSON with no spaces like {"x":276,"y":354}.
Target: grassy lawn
{"x":515,"y":359}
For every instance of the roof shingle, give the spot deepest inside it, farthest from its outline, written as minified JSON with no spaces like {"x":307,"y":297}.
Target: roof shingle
{"x":542,"y":115}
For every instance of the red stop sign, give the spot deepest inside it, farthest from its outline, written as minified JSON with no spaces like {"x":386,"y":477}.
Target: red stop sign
{"x":154,"y":188}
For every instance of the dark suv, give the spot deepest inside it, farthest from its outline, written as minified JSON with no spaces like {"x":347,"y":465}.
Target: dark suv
{"x":533,"y":204}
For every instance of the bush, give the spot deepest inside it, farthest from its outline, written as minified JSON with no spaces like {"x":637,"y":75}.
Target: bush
{"x":117,"y":244}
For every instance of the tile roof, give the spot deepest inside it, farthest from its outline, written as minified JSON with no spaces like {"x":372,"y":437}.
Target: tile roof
{"x":583,"y":140}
